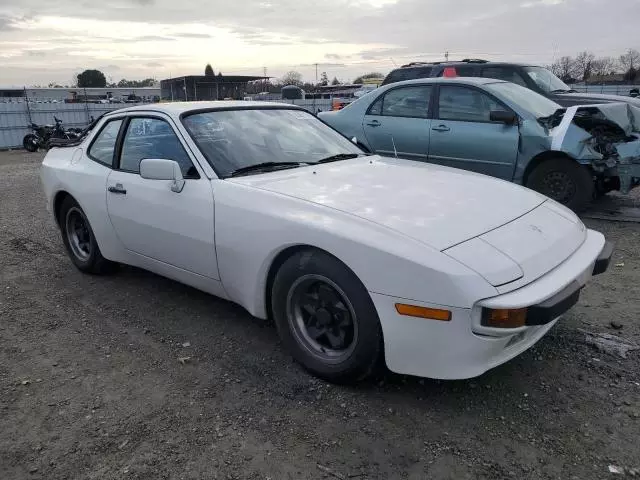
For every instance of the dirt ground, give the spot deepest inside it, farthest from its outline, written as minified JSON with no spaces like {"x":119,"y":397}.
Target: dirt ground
{"x":91,"y":385}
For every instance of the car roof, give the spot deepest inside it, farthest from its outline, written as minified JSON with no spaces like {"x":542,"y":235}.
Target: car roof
{"x":455,"y":80}
{"x":179,"y":108}
{"x":461,"y":63}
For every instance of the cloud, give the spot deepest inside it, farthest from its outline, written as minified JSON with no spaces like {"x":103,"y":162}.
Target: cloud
{"x":192,"y":35}
{"x":280,"y":34}
{"x":153,"y":64}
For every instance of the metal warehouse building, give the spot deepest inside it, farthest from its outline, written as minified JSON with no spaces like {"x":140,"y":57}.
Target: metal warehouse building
{"x":201,"y":87}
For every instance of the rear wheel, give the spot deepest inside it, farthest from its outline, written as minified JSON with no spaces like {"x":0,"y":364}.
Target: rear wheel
{"x":79,"y":239}
{"x":563,"y":180}
{"x":325,"y":317}
{"x":30,"y":142}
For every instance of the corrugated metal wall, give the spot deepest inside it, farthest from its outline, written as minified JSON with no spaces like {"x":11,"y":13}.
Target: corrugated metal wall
{"x":16,"y":117}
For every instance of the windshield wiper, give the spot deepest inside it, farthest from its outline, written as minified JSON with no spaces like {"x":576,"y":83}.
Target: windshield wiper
{"x":339,"y":156}
{"x":264,"y":166}
{"x":564,"y":90}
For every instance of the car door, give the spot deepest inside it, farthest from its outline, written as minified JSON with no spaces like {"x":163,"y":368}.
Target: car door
{"x":463,"y":136}
{"x":398,"y":123}
{"x":148,"y":217}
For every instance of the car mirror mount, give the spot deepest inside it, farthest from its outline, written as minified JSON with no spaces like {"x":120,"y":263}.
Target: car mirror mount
{"x":502,"y":116}
{"x":163,"y":169}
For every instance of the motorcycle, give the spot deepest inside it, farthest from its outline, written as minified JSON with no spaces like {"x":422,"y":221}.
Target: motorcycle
{"x":42,"y":135}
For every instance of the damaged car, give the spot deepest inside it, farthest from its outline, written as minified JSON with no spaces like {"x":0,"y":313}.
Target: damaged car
{"x":501,"y":129}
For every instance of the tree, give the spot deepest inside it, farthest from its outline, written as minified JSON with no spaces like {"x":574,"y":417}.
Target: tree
{"x":630,"y":62}
{"x":208,"y":70}
{"x":631,"y":75}
{"x":335,"y":81}
{"x":92,"y":79}
{"x":368,"y":76}
{"x":583,"y":65}
{"x":564,"y":68}
{"x":292,"y":78}
{"x":603,"y":66}
{"x":124,"y":83}
{"x":324,"y":79}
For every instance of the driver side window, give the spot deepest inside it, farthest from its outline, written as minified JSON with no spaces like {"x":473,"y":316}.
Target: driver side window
{"x":153,"y":138}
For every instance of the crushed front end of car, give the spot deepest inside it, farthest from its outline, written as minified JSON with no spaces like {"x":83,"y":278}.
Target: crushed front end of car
{"x":606,"y":137}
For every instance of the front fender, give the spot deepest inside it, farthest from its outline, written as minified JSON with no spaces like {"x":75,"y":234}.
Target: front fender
{"x":253,"y":226}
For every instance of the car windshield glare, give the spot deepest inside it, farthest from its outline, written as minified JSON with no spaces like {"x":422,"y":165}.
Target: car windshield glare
{"x":234,"y":139}
{"x":546,"y":80}
{"x":524,"y":99}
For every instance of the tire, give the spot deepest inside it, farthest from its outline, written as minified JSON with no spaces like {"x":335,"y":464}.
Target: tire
{"x":81,"y":244}
{"x":565,"y":181}
{"x":30,"y":142}
{"x":314,"y":292}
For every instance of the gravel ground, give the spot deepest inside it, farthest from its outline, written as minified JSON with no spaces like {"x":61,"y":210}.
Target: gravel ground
{"x":92,"y":384}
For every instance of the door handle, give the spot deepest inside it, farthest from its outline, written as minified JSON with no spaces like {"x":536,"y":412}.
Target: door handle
{"x":374,"y":123}
{"x":441,"y":128}
{"x":117,"y":189}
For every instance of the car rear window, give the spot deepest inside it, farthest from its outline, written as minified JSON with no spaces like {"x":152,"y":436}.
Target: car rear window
{"x":461,"y":71}
{"x":411,"y":73}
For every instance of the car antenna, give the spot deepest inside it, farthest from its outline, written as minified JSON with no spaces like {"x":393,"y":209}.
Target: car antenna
{"x":395,"y":152}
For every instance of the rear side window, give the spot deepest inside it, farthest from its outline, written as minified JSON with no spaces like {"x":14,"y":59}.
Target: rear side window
{"x":402,"y":74}
{"x":461,"y":71}
{"x":103,"y":146}
{"x":466,"y":104}
{"x":412,"y":102}
{"x":507,"y":74}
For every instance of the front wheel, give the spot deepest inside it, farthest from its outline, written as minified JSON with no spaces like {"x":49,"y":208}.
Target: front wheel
{"x":565,"y":181}
{"x":325,"y":317}
{"x":30,"y":142}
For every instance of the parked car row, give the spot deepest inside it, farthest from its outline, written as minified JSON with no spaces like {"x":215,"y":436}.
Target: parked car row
{"x":358,"y":258}
{"x":503,"y":129}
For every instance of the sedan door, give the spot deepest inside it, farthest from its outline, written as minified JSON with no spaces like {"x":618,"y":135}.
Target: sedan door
{"x":463,"y":136}
{"x":397,"y":123}
{"x":149,"y":218}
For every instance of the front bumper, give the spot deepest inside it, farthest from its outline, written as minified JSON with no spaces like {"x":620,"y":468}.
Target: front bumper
{"x":462,"y":347}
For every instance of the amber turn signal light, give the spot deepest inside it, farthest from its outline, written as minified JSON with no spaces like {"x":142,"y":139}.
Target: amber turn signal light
{"x":423,"y":312}
{"x":504,"y":318}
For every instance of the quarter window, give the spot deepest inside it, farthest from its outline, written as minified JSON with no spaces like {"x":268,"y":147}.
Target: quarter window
{"x":153,"y":138}
{"x":103,"y":146}
{"x":466,"y":104}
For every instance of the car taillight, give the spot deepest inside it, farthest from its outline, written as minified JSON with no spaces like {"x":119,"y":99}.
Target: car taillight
{"x":504,"y":318}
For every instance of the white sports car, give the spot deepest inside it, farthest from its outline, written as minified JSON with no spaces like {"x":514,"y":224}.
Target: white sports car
{"x":441,"y":272}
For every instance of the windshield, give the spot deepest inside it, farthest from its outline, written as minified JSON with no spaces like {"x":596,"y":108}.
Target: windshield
{"x":536,"y":104}
{"x":546,"y":80}
{"x":234,"y":139}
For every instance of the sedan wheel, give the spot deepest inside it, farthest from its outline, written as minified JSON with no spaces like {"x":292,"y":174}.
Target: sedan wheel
{"x":325,"y":317}
{"x":564,"y":180}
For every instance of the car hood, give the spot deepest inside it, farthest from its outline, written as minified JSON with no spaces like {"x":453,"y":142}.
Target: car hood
{"x":436,"y":205}
{"x":570,"y":99}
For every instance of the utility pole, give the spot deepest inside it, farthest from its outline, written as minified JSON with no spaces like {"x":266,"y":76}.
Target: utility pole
{"x":316,"y":73}
{"x":446,"y":55}
{"x":264,"y":80}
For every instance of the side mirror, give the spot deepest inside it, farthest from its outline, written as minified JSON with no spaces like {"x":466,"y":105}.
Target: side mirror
{"x":508,"y":118}
{"x":161,"y":169}
{"x":354,"y":140}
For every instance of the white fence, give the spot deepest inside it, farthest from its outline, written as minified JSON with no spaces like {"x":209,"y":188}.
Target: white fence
{"x":15,"y":118}
{"x":623,"y":90}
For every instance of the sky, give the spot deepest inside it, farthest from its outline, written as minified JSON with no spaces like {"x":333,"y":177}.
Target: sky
{"x":43,"y":41}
